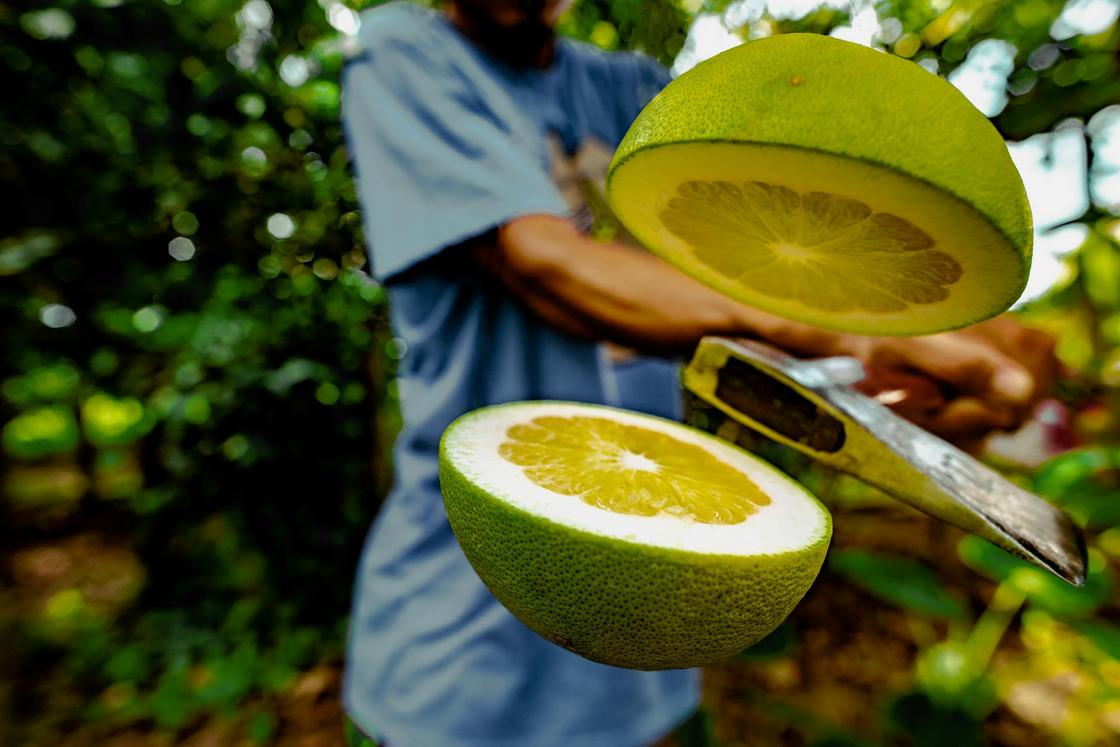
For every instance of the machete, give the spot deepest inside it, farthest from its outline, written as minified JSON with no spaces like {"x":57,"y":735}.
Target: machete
{"x":811,"y":406}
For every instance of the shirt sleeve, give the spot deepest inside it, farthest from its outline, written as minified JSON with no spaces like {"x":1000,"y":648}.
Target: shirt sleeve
{"x":652,"y":77}
{"x":434,"y":166}
{"x":638,"y":79}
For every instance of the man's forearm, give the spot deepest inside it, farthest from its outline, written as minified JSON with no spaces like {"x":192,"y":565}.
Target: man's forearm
{"x":627,"y":295}
{"x":632,"y":297}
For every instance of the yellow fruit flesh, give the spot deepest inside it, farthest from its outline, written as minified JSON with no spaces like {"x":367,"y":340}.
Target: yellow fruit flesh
{"x":826,"y":251}
{"x":832,"y":241}
{"x":630,"y":470}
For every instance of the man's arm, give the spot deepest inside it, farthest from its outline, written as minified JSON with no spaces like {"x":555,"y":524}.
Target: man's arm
{"x":616,"y":292}
{"x":611,"y":291}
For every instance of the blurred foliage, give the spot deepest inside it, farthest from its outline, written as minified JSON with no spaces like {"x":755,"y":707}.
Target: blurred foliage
{"x":193,"y":358}
{"x":197,"y":373}
{"x":897,"y":580}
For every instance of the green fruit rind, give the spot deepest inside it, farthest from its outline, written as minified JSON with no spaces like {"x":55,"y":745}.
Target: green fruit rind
{"x":618,"y":602}
{"x":832,"y":96}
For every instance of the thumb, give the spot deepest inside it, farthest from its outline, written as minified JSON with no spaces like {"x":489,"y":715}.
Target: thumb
{"x":1012,"y":383}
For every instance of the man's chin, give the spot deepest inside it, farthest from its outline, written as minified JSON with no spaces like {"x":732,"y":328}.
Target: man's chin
{"x":523,"y":45}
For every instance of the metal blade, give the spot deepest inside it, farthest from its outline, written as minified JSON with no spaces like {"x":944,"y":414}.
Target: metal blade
{"x":809,"y":406}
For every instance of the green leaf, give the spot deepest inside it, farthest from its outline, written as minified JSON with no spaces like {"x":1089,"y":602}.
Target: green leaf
{"x":260,"y":727}
{"x":51,"y":383}
{"x":127,"y":664}
{"x":49,"y":23}
{"x":1101,"y":260}
{"x":897,"y":580}
{"x":108,"y":421}
{"x":293,"y":372}
{"x":1085,"y":483}
{"x":1104,"y":635}
{"x":949,"y":675}
{"x":40,"y":432}
{"x":171,"y":702}
{"x":19,"y":253}
{"x":927,"y":724}
{"x":1042,"y":588}
{"x":232,"y":677}
{"x":777,"y":645}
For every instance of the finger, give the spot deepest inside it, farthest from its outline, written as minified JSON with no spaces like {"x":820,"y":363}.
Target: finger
{"x":1031,"y":348}
{"x":969,"y":417}
{"x":973,"y":445}
{"x":970,"y":366}
{"x":1038,"y":355}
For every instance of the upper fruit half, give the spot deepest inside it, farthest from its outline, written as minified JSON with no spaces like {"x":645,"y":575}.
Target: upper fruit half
{"x":829,"y":183}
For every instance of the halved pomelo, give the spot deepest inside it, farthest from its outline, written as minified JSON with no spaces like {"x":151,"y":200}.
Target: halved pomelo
{"x":629,"y":539}
{"x":828,"y":183}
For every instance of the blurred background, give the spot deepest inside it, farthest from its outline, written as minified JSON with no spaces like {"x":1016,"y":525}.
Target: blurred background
{"x":197,"y":387}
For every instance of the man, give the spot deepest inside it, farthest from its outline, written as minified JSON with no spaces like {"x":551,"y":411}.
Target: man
{"x":477,"y":138}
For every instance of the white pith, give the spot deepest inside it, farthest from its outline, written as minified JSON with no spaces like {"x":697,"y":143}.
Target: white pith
{"x":792,"y":521}
{"x":638,"y":462}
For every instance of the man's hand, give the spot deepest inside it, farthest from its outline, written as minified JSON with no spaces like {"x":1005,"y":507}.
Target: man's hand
{"x":963,"y":384}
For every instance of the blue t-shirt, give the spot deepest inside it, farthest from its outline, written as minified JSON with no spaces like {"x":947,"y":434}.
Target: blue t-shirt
{"x":449,"y":143}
